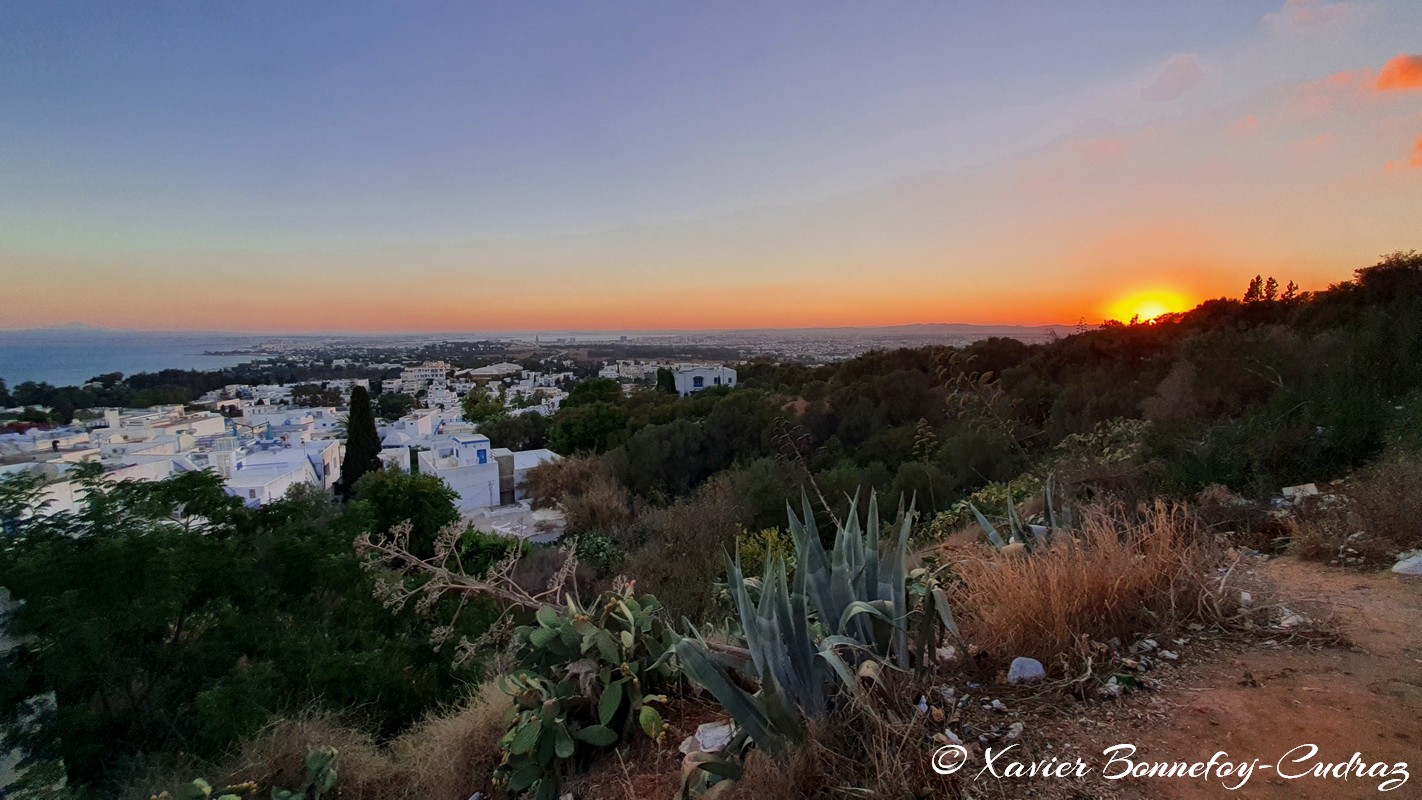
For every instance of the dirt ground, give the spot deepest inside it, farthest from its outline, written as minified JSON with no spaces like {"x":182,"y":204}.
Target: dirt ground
{"x":1261,"y":700}
{"x":1249,"y":697}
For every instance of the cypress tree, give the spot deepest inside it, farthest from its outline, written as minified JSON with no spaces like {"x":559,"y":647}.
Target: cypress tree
{"x":362,"y":442}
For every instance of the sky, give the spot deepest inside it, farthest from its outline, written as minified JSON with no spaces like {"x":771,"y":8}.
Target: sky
{"x":463,"y":166}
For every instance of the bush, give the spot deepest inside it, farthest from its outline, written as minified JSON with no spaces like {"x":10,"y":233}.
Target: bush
{"x":1381,"y":517}
{"x":1115,"y":576}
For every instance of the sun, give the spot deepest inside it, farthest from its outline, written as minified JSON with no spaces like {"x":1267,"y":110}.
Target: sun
{"x":1147,"y":305}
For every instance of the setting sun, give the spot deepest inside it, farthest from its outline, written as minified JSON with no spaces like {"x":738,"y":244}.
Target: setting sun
{"x":1147,"y":305}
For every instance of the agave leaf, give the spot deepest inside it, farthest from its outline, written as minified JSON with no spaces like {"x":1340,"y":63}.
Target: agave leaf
{"x":846,"y":676}
{"x":945,"y":612}
{"x":870,"y":579}
{"x":747,"y":710}
{"x":993,"y":536}
{"x":1051,"y":506}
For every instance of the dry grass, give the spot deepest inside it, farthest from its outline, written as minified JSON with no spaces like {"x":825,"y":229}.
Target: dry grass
{"x":452,"y":753}
{"x":1380,"y":519}
{"x":1117,"y":575}
{"x":865,"y":750}
{"x":276,"y":756}
{"x":449,"y":755}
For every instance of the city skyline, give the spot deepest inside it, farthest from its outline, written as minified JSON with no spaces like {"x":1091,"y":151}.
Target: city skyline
{"x":649,"y":167}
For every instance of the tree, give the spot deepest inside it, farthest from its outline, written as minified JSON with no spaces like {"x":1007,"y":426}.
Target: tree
{"x":362,"y":442}
{"x":666,"y":381}
{"x":394,"y":405}
{"x":586,"y":427}
{"x":527,"y":431}
{"x":596,"y":390}
{"x":1271,"y":289}
{"x":311,"y":395}
{"x":193,"y":641}
{"x":480,"y":406}
{"x":1255,"y":292}
{"x":425,"y":501}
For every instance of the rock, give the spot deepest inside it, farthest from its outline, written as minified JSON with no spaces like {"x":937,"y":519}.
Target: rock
{"x":1014,"y":731}
{"x":1411,"y":564}
{"x":712,"y":737}
{"x":1246,"y":599}
{"x":1025,"y":670}
{"x":999,"y":707}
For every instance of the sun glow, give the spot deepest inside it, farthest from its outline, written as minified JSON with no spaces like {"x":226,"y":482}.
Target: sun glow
{"x":1148,"y":305}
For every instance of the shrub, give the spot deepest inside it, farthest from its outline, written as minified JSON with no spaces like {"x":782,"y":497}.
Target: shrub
{"x":1381,"y":517}
{"x":451,"y":754}
{"x":587,"y":677}
{"x":1116,"y":576}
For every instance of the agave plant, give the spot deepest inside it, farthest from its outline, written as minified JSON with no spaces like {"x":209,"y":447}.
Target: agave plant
{"x":1022,"y":532}
{"x":841,"y":619}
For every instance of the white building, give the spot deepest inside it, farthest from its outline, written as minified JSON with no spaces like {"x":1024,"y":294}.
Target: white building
{"x":690,"y":380}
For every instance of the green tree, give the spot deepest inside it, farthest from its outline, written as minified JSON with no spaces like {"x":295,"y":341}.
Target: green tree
{"x":312,"y":395}
{"x":156,"y":640}
{"x":393,"y":405}
{"x":591,"y":427}
{"x":527,"y":431}
{"x":362,"y":442}
{"x":595,"y":390}
{"x":425,"y":501}
{"x":666,"y":381}
{"x":480,"y":406}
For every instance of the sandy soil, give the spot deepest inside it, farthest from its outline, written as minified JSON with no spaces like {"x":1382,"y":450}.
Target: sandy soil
{"x":1260,"y":701}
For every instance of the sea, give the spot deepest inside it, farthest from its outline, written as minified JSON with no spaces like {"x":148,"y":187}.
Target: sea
{"x":70,"y":357}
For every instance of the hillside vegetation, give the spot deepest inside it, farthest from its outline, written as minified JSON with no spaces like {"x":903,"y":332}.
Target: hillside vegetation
{"x":952,"y":510}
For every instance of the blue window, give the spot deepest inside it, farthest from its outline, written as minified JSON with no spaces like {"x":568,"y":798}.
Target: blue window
{"x":483,"y":456}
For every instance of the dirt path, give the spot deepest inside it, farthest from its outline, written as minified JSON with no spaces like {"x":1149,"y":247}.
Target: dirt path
{"x":1262,"y":701}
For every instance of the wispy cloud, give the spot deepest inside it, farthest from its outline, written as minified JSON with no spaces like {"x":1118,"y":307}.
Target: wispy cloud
{"x":1180,"y":74}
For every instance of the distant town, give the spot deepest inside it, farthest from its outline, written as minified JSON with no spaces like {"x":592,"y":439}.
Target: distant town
{"x":277,"y":420}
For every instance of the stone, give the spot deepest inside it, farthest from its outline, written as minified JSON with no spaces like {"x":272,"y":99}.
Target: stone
{"x":999,"y":707}
{"x":1246,"y":599}
{"x":1014,"y":731}
{"x":1411,"y":564}
{"x":1025,"y":670}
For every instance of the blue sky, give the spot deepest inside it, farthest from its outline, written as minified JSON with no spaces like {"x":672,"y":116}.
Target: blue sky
{"x":614,"y":145}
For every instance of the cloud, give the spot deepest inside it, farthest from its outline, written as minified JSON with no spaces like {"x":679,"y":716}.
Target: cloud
{"x":1179,"y":75}
{"x":1416,"y":159}
{"x":1403,"y":72}
{"x":1244,"y":127}
{"x":1303,"y":15}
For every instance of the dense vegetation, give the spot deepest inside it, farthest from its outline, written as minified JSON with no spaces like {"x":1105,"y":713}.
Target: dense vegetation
{"x":168,"y":619}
